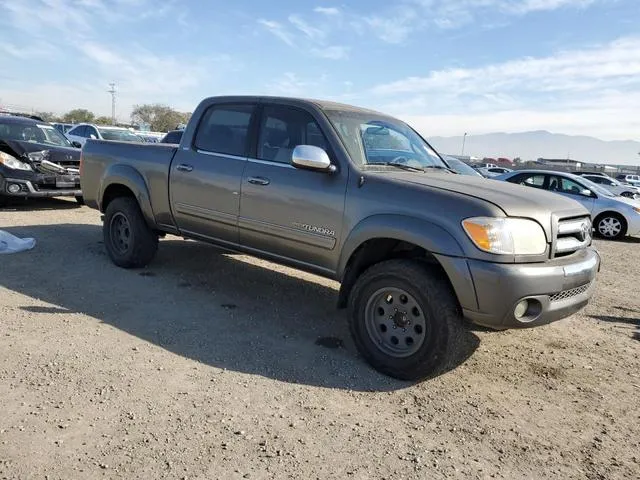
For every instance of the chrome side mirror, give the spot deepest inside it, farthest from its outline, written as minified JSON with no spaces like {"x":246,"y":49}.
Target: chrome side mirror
{"x":310,"y":157}
{"x":586,"y":192}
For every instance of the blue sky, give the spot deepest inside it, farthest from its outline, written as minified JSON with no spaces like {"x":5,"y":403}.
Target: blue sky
{"x":446,"y":66}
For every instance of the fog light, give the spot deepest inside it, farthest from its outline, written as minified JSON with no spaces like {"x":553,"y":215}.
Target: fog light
{"x":14,"y":188}
{"x":521,"y":309}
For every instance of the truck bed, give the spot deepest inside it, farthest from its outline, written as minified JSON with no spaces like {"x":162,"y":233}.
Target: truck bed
{"x":151,"y":161}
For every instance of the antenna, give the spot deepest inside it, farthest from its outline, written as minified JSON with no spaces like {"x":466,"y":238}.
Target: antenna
{"x":112,"y":91}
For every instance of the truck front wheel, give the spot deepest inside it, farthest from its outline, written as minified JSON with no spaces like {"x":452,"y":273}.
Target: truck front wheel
{"x":128,"y":239}
{"x":405,"y":320}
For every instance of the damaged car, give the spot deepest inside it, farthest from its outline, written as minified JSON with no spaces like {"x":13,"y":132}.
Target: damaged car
{"x":36,"y":160}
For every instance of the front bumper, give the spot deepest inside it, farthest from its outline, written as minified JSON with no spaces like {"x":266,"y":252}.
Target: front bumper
{"x":555,"y":289}
{"x":42,"y":185}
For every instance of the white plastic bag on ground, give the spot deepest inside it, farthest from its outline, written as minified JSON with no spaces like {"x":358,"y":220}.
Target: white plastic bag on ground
{"x":12,"y":244}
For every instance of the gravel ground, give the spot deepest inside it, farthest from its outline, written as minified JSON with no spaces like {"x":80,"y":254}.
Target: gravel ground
{"x":210,"y":365}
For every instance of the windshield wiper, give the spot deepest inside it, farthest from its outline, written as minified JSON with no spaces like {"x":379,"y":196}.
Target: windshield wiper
{"x":401,"y":166}
{"x":440,"y":167}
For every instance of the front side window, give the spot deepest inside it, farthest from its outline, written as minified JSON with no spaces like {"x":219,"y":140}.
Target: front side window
{"x":566,"y":185}
{"x":284,"y":128}
{"x":373,"y":139}
{"x":224,"y":129}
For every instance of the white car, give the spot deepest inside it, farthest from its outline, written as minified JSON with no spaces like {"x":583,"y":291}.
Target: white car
{"x":613,"y":186}
{"x":630,"y":179}
{"x":79,"y":134}
{"x":491,"y":172}
{"x":613,"y":216}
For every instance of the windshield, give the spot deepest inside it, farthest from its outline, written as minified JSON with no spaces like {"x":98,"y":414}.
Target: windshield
{"x":120,"y":135}
{"x":596,"y":188}
{"x":378,"y":140}
{"x":33,"y":133}
{"x":461,"y":167}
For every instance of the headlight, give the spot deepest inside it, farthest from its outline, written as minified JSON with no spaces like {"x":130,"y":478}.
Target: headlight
{"x":506,"y":236}
{"x":637,"y":209}
{"x":39,"y":156}
{"x":12,"y":162}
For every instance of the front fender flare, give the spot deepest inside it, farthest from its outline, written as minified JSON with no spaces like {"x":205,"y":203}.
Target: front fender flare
{"x":131,"y":178}
{"x":425,"y":234}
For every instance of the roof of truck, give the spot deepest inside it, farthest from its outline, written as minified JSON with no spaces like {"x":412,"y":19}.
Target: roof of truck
{"x":323,"y":104}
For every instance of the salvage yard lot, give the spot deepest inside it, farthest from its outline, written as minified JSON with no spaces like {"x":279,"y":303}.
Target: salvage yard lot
{"x":212,"y":365}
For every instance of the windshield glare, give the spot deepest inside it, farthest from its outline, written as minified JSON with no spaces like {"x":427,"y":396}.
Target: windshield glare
{"x":120,"y":135}
{"x":375,"y":140}
{"x":33,"y":133}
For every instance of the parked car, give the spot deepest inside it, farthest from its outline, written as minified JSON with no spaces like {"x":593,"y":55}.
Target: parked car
{"x":359,"y":197}
{"x":630,"y":179}
{"x":174,"y":136}
{"x":36,"y":160}
{"x":461,"y":167}
{"x":490,"y":172}
{"x":81,"y":132}
{"x":613,"y":216}
{"x":63,"y":127}
{"x":613,"y":186}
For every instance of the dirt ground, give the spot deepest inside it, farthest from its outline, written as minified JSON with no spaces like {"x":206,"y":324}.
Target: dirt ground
{"x":209,"y":365}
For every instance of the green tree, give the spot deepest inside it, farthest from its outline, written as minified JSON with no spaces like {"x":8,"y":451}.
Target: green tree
{"x":102,"y":120}
{"x":78,"y":115}
{"x":159,"y":118}
{"x":48,"y":116}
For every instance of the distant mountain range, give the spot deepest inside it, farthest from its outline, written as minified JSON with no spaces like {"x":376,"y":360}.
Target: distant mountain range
{"x":533,"y":145}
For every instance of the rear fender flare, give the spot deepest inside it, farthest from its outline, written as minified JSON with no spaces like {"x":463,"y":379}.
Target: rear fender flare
{"x":129,"y":177}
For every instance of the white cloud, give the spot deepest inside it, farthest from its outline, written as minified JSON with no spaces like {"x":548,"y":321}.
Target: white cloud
{"x":396,"y":24}
{"x":335,"y":52}
{"x":590,"y":91}
{"x":314,"y":33}
{"x":617,"y":63}
{"x":278,"y":30}
{"x":332,"y":11}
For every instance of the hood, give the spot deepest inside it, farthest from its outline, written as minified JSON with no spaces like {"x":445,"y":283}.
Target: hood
{"x":513,"y":200}
{"x":66,"y":156}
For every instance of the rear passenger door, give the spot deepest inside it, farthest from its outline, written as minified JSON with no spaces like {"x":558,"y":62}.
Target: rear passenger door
{"x":285,"y":211}
{"x":206,"y":177}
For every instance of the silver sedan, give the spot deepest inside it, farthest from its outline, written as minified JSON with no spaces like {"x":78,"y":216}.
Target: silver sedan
{"x":613,"y":216}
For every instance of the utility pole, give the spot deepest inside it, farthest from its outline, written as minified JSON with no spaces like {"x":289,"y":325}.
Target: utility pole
{"x":112,"y":91}
{"x":464,"y":139}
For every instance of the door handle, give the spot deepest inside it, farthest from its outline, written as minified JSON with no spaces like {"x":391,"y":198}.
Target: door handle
{"x":183,"y":167}
{"x":259,"y":180}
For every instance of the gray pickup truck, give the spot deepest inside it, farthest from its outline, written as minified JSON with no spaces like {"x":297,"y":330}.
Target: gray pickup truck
{"x":359,"y":197}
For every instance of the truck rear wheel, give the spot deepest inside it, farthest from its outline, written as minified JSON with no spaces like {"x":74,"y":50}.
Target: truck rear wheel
{"x":405,"y":320}
{"x":128,"y":239}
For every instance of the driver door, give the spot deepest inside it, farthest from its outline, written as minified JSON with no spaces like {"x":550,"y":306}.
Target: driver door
{"x":285,"y":211}
{"x":568,"y":188}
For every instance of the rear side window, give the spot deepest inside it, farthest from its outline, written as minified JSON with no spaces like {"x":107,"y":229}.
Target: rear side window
{"x":172,"y":137}
{"x":224,"y":129}
{"x":535,"y":180}
{"x":78,"y":131}
{"x":284,"y":128}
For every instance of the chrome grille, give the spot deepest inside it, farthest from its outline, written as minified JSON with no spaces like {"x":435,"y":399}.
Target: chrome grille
{"x":569,"y":293}
{"x":573,"y":234}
